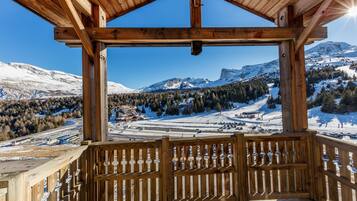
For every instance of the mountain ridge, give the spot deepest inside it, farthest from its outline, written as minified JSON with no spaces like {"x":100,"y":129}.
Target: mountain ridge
{"x":26,"y":81}
{"x":323,"y":54}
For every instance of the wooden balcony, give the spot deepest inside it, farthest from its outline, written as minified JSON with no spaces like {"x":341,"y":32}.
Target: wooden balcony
{"x":238,"y":167}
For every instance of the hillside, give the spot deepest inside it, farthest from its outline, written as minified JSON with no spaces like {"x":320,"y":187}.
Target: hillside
{"x":324,"y":54}
{"x":25,"y":81}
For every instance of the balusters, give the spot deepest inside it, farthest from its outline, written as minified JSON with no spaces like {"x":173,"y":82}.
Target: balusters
{"x":283,"y":160}
{"x":268,"y":159}
{"x":259,"y":149}
{"x":252,"y":161}
{"x":229,"y":176}
{"x":51,"y":186}
{"x":126,"y":170}
{"x":120,"y":170}
{"x":152,"y":168}
{"x":175,"y":165}
{"x":199,"y":166}
{"x":290,"y":160}
{"x":331,"y":166}
{"x":58,"y":186}
{"x":145,"y":169}
{"x":213,"y":177}
{"x":139,"y":169}
{"x":353,"y":170}
{"x":345,"y":158}
{"x":202,"y":170}
{"x":45,"y":194}
{"x":115,"y":170}
{"x":189,"y":166}
{"x":157,"y":169}
{"x":62,"y":185}
{"x":109,"y":185}
{"x":195,"y":178}
{"x":206,"y":178}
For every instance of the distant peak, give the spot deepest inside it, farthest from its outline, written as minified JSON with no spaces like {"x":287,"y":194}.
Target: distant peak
{"x":329,"y":48}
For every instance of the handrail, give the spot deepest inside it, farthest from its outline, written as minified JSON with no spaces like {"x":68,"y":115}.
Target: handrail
{"x":337,"y":142}
{"x":21,"y":185}
{"x":49,"y":168}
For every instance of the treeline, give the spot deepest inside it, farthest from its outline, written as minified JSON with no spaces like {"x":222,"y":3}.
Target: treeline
{"x":326,"y":99}
{"x":347,"y":93}
{"x":314,"y":76}
{"x":193,"y":101}
{"x":23,"y":117}
{"x":317,"y":75}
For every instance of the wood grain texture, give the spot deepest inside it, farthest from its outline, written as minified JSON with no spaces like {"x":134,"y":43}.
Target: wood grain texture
{"x":292,"y":78}
{"x":287,"y":158}
{"x":78,"y":25}
{"x":132,"y":36}
{"x":313,"y":23}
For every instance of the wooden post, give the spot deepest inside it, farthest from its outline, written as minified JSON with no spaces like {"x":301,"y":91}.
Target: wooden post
{"x":195,"y":10}
{"x":292,"y":77}
{"x":196,"y":22}
{"x":95,"y":109}
{"x":240,"y":169}
{"x":314,"y":158}
{"x":166,"y":173}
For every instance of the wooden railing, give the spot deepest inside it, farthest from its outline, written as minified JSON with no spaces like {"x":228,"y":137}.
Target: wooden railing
{"x":336,"y":168}
{"x":239,"y":167}
{"x":57,"y":179}
{"x":225,"y":168}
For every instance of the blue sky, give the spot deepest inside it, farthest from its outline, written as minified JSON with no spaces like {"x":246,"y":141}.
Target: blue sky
{"x":24,"y":37}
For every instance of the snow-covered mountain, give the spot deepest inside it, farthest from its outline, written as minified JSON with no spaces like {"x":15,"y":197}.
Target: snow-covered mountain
{"x":177,"y":83}
{"x":323,"y":54}
{"x":24,"y":81}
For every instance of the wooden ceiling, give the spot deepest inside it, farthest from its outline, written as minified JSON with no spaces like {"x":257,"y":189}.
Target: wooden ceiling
{"x":51,"y":9}
{"x":268,"y":9}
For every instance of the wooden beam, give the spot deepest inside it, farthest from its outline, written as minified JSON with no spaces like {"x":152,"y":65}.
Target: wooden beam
{"x":79,"y":28}
{"x":312,"y":25}
{"x":336,"y":10}
{"x":302,"y":6}
{"x":186,"y":35}
{"x":195,"y":10}
{"x":84,"y":6}
{"x":292,"y":78}
{"x":189,"y":44}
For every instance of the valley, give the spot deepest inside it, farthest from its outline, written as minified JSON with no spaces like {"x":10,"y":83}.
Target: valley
{"x":241,"y":100}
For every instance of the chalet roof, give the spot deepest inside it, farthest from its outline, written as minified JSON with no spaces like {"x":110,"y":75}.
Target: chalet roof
{"x":268,"y":9}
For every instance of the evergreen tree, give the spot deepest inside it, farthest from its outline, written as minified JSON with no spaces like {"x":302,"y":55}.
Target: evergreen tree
{"x":218,"y":107}
{"x":271,"y":103}
{"x":328,"y":104}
